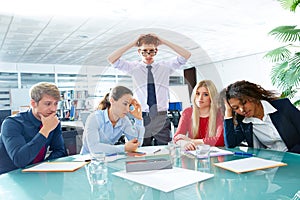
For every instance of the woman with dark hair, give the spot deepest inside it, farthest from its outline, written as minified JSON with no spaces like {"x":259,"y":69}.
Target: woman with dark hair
{"x":106,"y":125}
{"x":260,"y":118}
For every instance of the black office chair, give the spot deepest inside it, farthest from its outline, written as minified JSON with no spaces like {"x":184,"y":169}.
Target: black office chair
{"x":121,"y":140}
{"x":3,"y":115}
{"x":174,"y":112}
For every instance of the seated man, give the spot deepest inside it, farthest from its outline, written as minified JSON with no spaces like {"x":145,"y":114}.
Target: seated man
{"x":25,"y":137}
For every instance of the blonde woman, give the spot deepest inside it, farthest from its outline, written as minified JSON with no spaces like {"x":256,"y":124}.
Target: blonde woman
{"x":202,"y":123}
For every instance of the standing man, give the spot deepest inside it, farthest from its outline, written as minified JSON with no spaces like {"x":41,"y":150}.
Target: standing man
{"x":151,"y":89}
{"x":25,"y":137}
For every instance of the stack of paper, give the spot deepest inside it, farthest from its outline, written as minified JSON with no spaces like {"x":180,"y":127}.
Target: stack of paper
{"x":249,"y":164}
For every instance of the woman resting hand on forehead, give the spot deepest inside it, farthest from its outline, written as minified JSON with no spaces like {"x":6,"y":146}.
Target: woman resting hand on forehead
{"x":260,"y":118}
{"x":118,"y":114}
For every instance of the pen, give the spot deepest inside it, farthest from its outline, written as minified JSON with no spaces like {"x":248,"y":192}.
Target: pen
{"x":243,"y":154}
{"x":158,"y":150}
{"x":137,"y":152}
{"x":113,"y":154}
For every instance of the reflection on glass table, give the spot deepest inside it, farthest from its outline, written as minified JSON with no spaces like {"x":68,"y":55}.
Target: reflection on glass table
{"x":273,"y":183}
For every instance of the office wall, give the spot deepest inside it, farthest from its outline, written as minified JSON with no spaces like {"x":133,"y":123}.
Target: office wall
{"x":252,"y":68}
{"x":19,"y":97}
{"x":180,"y":93}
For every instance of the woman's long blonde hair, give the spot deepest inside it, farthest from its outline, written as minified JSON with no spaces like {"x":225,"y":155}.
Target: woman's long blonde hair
{"x":212,"y":91}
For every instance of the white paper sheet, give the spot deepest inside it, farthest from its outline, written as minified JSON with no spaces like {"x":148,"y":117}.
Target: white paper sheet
{"x":215,"y":151}
{"x":55,"y":167}
{"x":249,"y":164}
{"x":154,"y":150}
{"x":165,"y":180}
{"x":87,"y":157}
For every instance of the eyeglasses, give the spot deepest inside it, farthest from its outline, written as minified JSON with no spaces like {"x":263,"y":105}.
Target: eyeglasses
{"x":151,"y":52}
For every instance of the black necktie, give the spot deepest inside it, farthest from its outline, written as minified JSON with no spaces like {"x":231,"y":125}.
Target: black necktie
{"x":151,"y":96}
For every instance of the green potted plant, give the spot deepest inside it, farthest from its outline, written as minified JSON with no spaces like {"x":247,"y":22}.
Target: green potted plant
{"x":285,"y":73}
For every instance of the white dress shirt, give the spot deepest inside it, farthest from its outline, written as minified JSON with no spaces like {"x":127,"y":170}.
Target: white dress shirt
{"x":264,"y":130}
{"x":161,"y":73}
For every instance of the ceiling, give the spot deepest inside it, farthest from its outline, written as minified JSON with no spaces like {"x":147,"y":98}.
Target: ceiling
{"x":86,"y":32}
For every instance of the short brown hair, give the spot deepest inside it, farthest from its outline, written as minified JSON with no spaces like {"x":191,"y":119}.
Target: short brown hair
{"x":148,"y":39}
{"x":38,"y":90}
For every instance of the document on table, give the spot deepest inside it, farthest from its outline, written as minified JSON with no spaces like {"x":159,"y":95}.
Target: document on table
{"x":154,"y":150}
{"x":165,"y":180}
{"x":214,"y":151}
{"x":108,"y":158}
{"x":56,"y":167}
{"x":249,"y":164}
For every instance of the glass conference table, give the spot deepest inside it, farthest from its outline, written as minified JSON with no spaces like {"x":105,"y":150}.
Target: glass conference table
{"x":274,"y":183}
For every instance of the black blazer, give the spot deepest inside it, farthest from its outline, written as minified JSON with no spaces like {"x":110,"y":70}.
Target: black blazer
{"x":286,"y":120}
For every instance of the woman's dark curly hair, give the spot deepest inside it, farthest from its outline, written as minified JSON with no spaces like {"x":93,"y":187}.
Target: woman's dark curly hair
{"x":245,"y":90}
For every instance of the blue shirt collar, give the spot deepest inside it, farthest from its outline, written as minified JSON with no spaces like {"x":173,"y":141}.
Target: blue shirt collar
{"x":107,"y":120}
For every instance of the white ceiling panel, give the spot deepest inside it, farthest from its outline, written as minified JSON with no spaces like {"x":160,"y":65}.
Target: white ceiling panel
{"x":86,"y":32}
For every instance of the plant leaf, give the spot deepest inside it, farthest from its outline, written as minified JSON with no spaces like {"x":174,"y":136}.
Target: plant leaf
{"x":286,"y":33}
{"x":297,"y":103}
{"x":288,"y":93}
{"x":278,"y":54}
{"x":293,"y":73}
{"x":278,"y":74}
{"x":287,"y":74}
{"x":289,"y":4}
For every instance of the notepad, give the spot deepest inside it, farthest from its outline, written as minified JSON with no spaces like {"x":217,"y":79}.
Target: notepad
{"x":56,"y":167}
{"x":249,"y":164}
{"x":150,"y":151}
{"x":87,"y":157}
{"x":215,"y":151}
